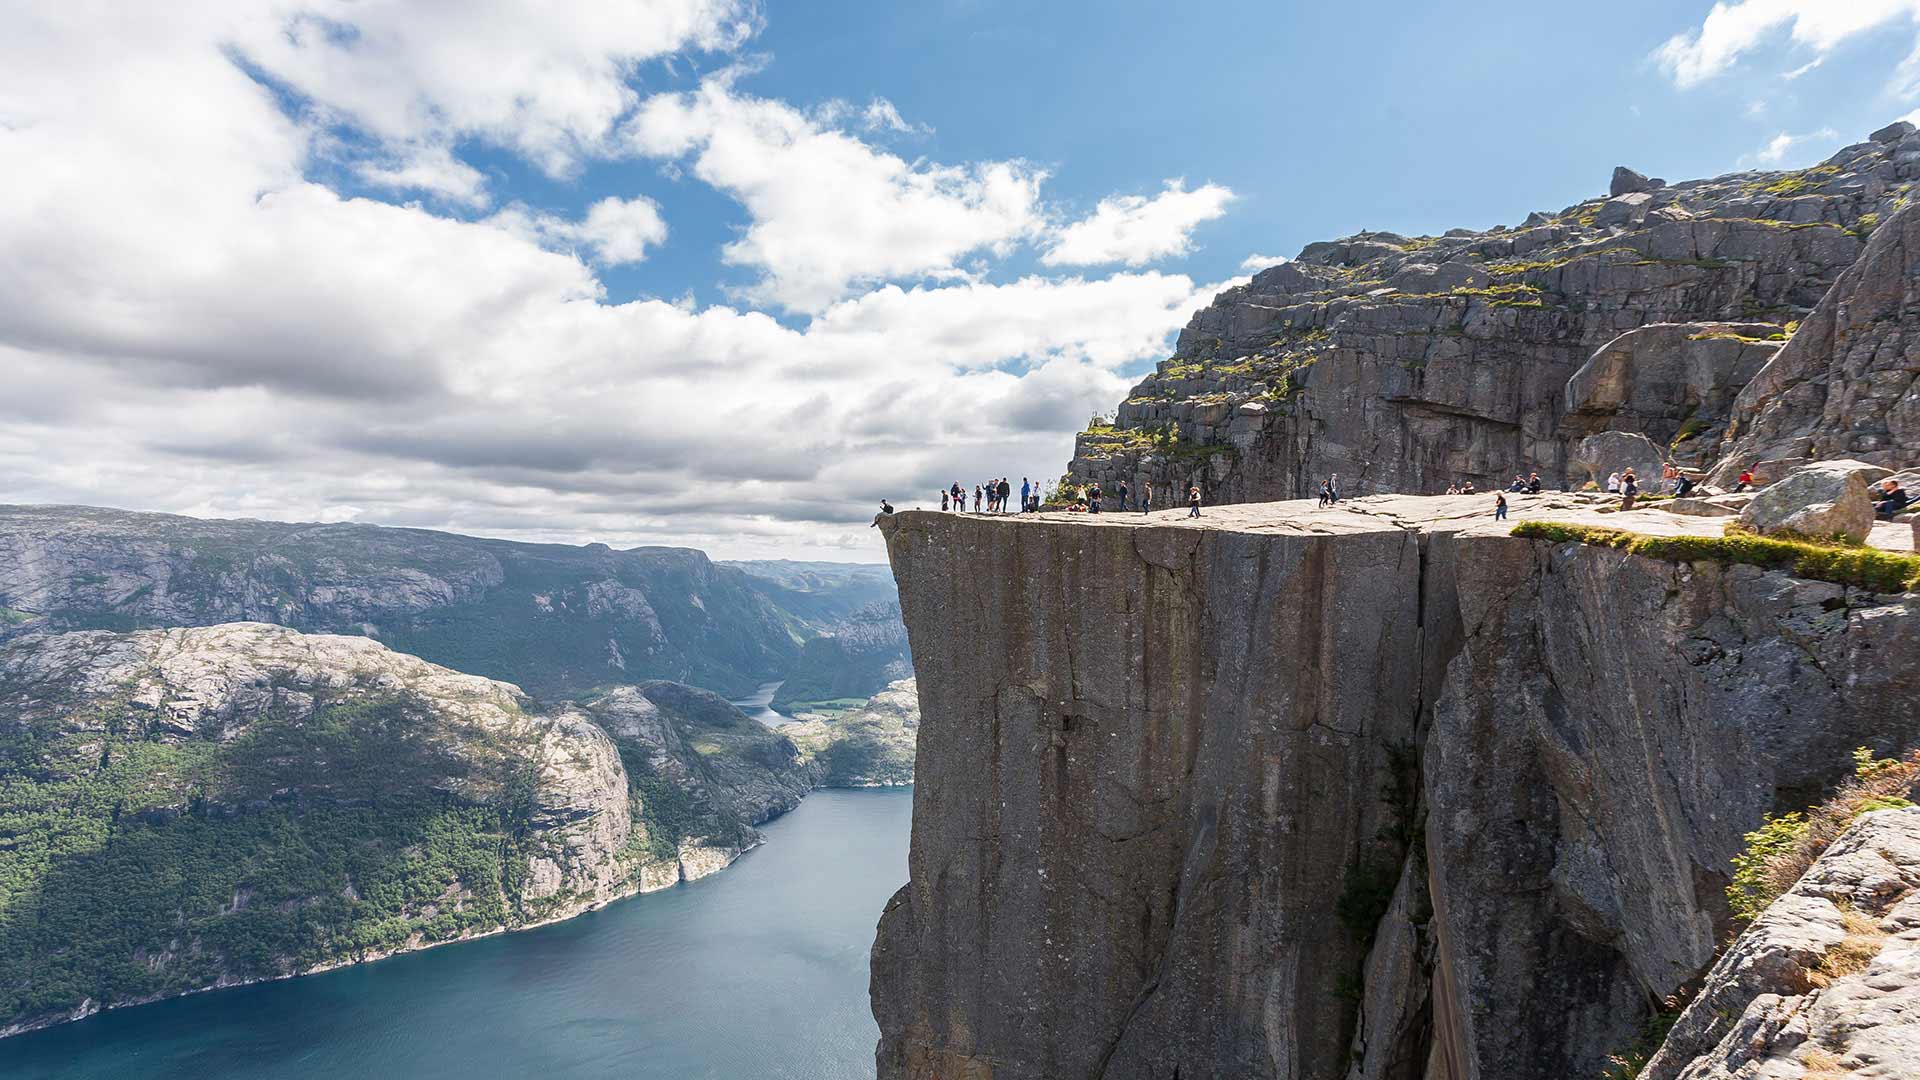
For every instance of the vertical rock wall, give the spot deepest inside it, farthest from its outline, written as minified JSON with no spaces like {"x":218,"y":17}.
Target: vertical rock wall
{"x":1261,"y":802}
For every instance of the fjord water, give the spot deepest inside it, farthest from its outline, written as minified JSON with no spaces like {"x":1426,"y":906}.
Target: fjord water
{"x":757,"y":972}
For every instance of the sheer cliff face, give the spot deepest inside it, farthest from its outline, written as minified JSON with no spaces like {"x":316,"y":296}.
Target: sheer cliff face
{"x":1304,"y":794}
{"x":1130,"y":822}
{"x":1404,"y":364}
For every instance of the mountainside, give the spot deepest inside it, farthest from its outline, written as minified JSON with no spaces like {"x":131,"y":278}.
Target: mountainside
{"x":189,"y":808}
{"x":1410,"y":363}
{"x":1375,"y":791}
{"x":558,"y":620}
{"x":869,"y":647}
{"x":869,"y":746}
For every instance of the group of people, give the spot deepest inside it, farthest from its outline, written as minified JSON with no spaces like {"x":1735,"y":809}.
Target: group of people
{"x":1094,"y":499}
{"x":992,"y":497}
{"x":1330,"y":490}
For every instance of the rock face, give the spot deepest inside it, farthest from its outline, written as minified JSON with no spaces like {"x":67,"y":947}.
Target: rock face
{"x":557,"y":620}
{"x":200,"y":807}
{"x":1848,"y":384}
{"x":1597,"y":457}
{"x":1827,"y":981}
{"x":1406,"y":364}
{"x":1377,"y":791}
{"x":1824,"y":499}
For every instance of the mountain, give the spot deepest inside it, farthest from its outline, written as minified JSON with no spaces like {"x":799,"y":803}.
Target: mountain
{"x":559,"y":621}
{"x":862,"y":644}
{"x":871,"y":745}
{"x":1410,"y":363}
{"x":189,"y":808}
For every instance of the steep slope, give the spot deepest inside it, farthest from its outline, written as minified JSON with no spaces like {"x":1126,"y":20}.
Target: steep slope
{"x":556,"y":620}
{"x":869,"y":746}
{"x":1371,"y":792}
{"x":1848,"y":384}
{"x":1408,"y":363}
{"x":191,"y":808}
{"x":868,"y":649}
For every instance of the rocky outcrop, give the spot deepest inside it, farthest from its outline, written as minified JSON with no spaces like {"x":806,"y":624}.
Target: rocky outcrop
{"x":1375,"y":791}
{"x":1410,"y":363}
{"x":1817,"y":501}
{"x":191,"y":808}
{"x":1848,"y":384}
{"x":870,"y":746}
{"x":556,"y":620}
{"x":1826,"y":983}
{"x":866,"y":651}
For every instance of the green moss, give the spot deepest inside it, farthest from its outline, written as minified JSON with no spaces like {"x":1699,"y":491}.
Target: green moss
{"x":1795,"y":183}
{"x":1865,"y":226}
{"x":1861,"y":567}
{"x":14,"y":617}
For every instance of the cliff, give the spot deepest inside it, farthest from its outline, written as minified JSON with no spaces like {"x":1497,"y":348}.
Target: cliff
{"x":554,"y":619}
{"x":1409,"y":363}
{"x":191,"y":808}
{"x":871,"y":745}
{"x":1378,"y":791}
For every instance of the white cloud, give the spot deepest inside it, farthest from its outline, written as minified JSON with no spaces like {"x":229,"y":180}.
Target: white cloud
{"x":1253,"y":264}
{"x":831,"y":213}
{"x":191,"y":323}
{"x":1732,"y":29}
{"x":1781,"y":148}
{"x":613,"y":232}
{"x":548,"y":81}
{"x":432,"y":169}
{"x":1135,"y":230}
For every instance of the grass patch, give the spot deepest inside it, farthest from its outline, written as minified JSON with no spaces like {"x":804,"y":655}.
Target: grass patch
{"x":1781,"y":850}
{"x":1861,"y":567}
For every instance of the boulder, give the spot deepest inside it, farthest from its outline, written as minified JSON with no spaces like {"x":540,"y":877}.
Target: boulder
{"x":1709,"y":506}
{"x":1446,"y":277}
{"x":1628,"y":209}
{"x":1614,"y":451}
{"x":1826,"y":498}
{"x":1627,"y":182}
{"x":1893,"y":132}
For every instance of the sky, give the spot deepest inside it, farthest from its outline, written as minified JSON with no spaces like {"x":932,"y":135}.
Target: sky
{"x":725,"y":273}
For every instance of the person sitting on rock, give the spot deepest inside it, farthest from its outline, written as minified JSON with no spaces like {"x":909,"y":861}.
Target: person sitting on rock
{"x":943,"y":500}
{"x":1533,"y":484}
{"x":1746,"y":480}
{"x":1519,"y":484}
{"x":1629,"y":488}
{"x":1466,"y":488}
{"x":886,"y":508}
{"x":1682,"y":486}
{"x":1893,"y":499}
{"x":1613,"y":483}
{"x":1453,"y":489}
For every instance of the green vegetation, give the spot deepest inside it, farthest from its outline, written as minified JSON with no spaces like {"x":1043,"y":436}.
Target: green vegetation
{"x":133,"y":865}
{"x":1627,"y":1063}
{"x":1794,"y":183}
{"x":1868,"y":222}
{"x":1861,"y":567}
{"x":1780,"y":850}
{"x":13,"y":617}
{"x":1508,"y":267}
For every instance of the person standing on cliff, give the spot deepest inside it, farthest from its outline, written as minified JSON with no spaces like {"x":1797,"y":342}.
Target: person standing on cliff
{"x":1499,"y":506}
{"x":1026,"y":490}
{"x":1126,"y":496}
{"x":1333,"y":489}
{"x":1193,"y":501}
{"x":1146,"y":497}
{"x":1006,"y":492}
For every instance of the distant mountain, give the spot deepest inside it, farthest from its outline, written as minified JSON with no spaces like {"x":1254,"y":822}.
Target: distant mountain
{"x":862,"y":647}
{"x":190,"y":808}
{"x":559,"y":621}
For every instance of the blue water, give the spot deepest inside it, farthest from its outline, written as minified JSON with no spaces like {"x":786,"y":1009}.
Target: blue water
{"x":756,"y":972}
{"x":759,"y":705}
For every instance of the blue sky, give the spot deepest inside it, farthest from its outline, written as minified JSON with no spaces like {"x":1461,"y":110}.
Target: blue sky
{"x":724,"y":274}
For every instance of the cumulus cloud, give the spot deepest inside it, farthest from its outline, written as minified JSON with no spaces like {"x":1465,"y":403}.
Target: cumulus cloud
{"x":194,"y":322}
{"x":830,"y":212}
{"x":1781,"y":148}
{"x":1733,"y":29}
{"x":614,"y":232}
{"x":1253,"y":264}
{"x":1136,"y":230}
